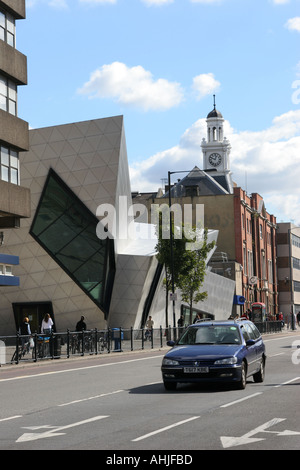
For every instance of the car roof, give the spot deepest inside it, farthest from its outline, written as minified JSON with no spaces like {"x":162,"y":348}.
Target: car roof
{"x":207,"y":322}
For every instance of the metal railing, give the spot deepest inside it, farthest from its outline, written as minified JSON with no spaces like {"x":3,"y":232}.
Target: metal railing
{"x":17,"y":348}
{"x":269,"y":326}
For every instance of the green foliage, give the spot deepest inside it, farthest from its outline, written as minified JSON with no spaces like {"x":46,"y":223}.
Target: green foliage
{"x":190,"y":250}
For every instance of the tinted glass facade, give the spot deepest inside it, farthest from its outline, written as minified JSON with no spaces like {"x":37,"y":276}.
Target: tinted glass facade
{"x":66,"y":229}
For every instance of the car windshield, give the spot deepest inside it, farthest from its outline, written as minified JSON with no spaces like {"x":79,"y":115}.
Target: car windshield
{"x":211,"y":334}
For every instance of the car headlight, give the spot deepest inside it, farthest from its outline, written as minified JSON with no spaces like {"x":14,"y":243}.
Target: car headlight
{"x":227,"y":360}
{"x":169,"y":362}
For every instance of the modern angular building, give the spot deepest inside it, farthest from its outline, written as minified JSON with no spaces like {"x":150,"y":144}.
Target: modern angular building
{"x":14,"y":198}
{"x":77,"y":174}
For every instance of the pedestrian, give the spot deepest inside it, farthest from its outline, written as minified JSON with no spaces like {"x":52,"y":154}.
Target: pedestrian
{"x":25,"y":331}
{"x":47,"y":325}
{"x":298,"y":318}
{"x":197,"y":318}
{"x":244,"y":316}
{"x":294,"y":321}
{"x":149,"y":327}
{"x":81,"y":325}
{"x":180,"y":321}
{"x":280,"y":318}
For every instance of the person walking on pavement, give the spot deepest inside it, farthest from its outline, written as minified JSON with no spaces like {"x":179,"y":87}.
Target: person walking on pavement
{"x":81,"y":325}
{"x":47,"y":325}
{"x":149,"y":326}
{"x":25,"y":331}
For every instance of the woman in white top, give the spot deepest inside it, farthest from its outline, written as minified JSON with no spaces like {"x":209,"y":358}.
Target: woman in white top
{"x":47,"y":324}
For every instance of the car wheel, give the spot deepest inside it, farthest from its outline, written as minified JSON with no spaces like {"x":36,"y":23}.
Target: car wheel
{"x":260,"y":375}
{"x":170,"y":385}
{"x":243,"y":380}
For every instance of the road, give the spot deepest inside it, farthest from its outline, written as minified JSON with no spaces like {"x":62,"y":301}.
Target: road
{"x":117,"y":402}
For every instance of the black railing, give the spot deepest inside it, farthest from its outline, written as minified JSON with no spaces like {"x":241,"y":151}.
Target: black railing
{"x":269,"y":326}
{"x":16,"y":349}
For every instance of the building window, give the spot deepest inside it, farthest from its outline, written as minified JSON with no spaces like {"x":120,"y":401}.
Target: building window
{"x":245,"y":258}
{"x":295,"y":240}
{"x":66,"y":229}
{"x":260,"y":231}
{"x":8,"y":95}
{"x":250,"y":263}
{"x":296,"y":286}
{"x":270,"y":271}
{"x":296,"y":263}
{"x":9,"y":160}
{"x":263,"y":265}
{"x":7,"y":28}
{"x":6,"y":270}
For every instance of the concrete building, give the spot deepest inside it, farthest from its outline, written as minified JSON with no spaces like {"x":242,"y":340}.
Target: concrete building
{"x":14,"y":198}
{"x":70,"y":263}
{"x":288,"y":262}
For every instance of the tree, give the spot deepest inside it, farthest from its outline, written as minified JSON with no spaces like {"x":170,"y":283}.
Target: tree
{"x":164,"y":257}
{"x":188,"y":263}
{"x":191,"y":280}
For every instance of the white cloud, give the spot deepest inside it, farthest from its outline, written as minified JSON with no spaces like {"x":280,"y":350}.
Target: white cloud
{"x":59,"y":4}
{"x":293,"y":24}
{"x":132,"y":86}
{"x":280,"y":2}
{"x":205,"y":84}
{"x":266,"y":162}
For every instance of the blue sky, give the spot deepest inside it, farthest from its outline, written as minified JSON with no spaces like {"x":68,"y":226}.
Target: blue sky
{"x":158,"y":63}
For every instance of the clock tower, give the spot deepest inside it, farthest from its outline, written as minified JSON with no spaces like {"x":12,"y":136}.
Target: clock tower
{"x":216,"y":150}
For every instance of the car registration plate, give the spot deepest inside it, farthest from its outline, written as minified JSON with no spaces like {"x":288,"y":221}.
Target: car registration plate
{"x":195,"y":370}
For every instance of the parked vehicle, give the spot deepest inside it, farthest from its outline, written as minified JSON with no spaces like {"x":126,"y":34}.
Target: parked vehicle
{"x":215,"y":351}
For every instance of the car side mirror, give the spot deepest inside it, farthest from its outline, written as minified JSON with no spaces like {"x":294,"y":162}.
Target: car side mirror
{"x":170,"y":343}
{"x":250,"y":342}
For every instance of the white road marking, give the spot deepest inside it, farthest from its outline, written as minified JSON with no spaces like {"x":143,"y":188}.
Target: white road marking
{"x":287,"y":382}
{"x":165,"y":429}
{"x":91,"y":398}
{"x":247,"y":438}
{"x":12,"y":417}
{"x":241,"y":399}
{"x":56,"y":431}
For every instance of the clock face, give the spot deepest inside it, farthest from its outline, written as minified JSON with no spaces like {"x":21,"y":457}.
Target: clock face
{"x":215,"y":159}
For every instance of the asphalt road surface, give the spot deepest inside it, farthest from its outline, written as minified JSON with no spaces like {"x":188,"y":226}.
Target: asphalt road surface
{"x":117,"y":403}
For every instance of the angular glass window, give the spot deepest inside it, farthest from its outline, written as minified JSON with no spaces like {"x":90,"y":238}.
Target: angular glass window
{"x":66,"y":229}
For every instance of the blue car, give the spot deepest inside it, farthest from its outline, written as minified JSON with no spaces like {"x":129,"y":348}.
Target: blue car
{"x":215,"y":351}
